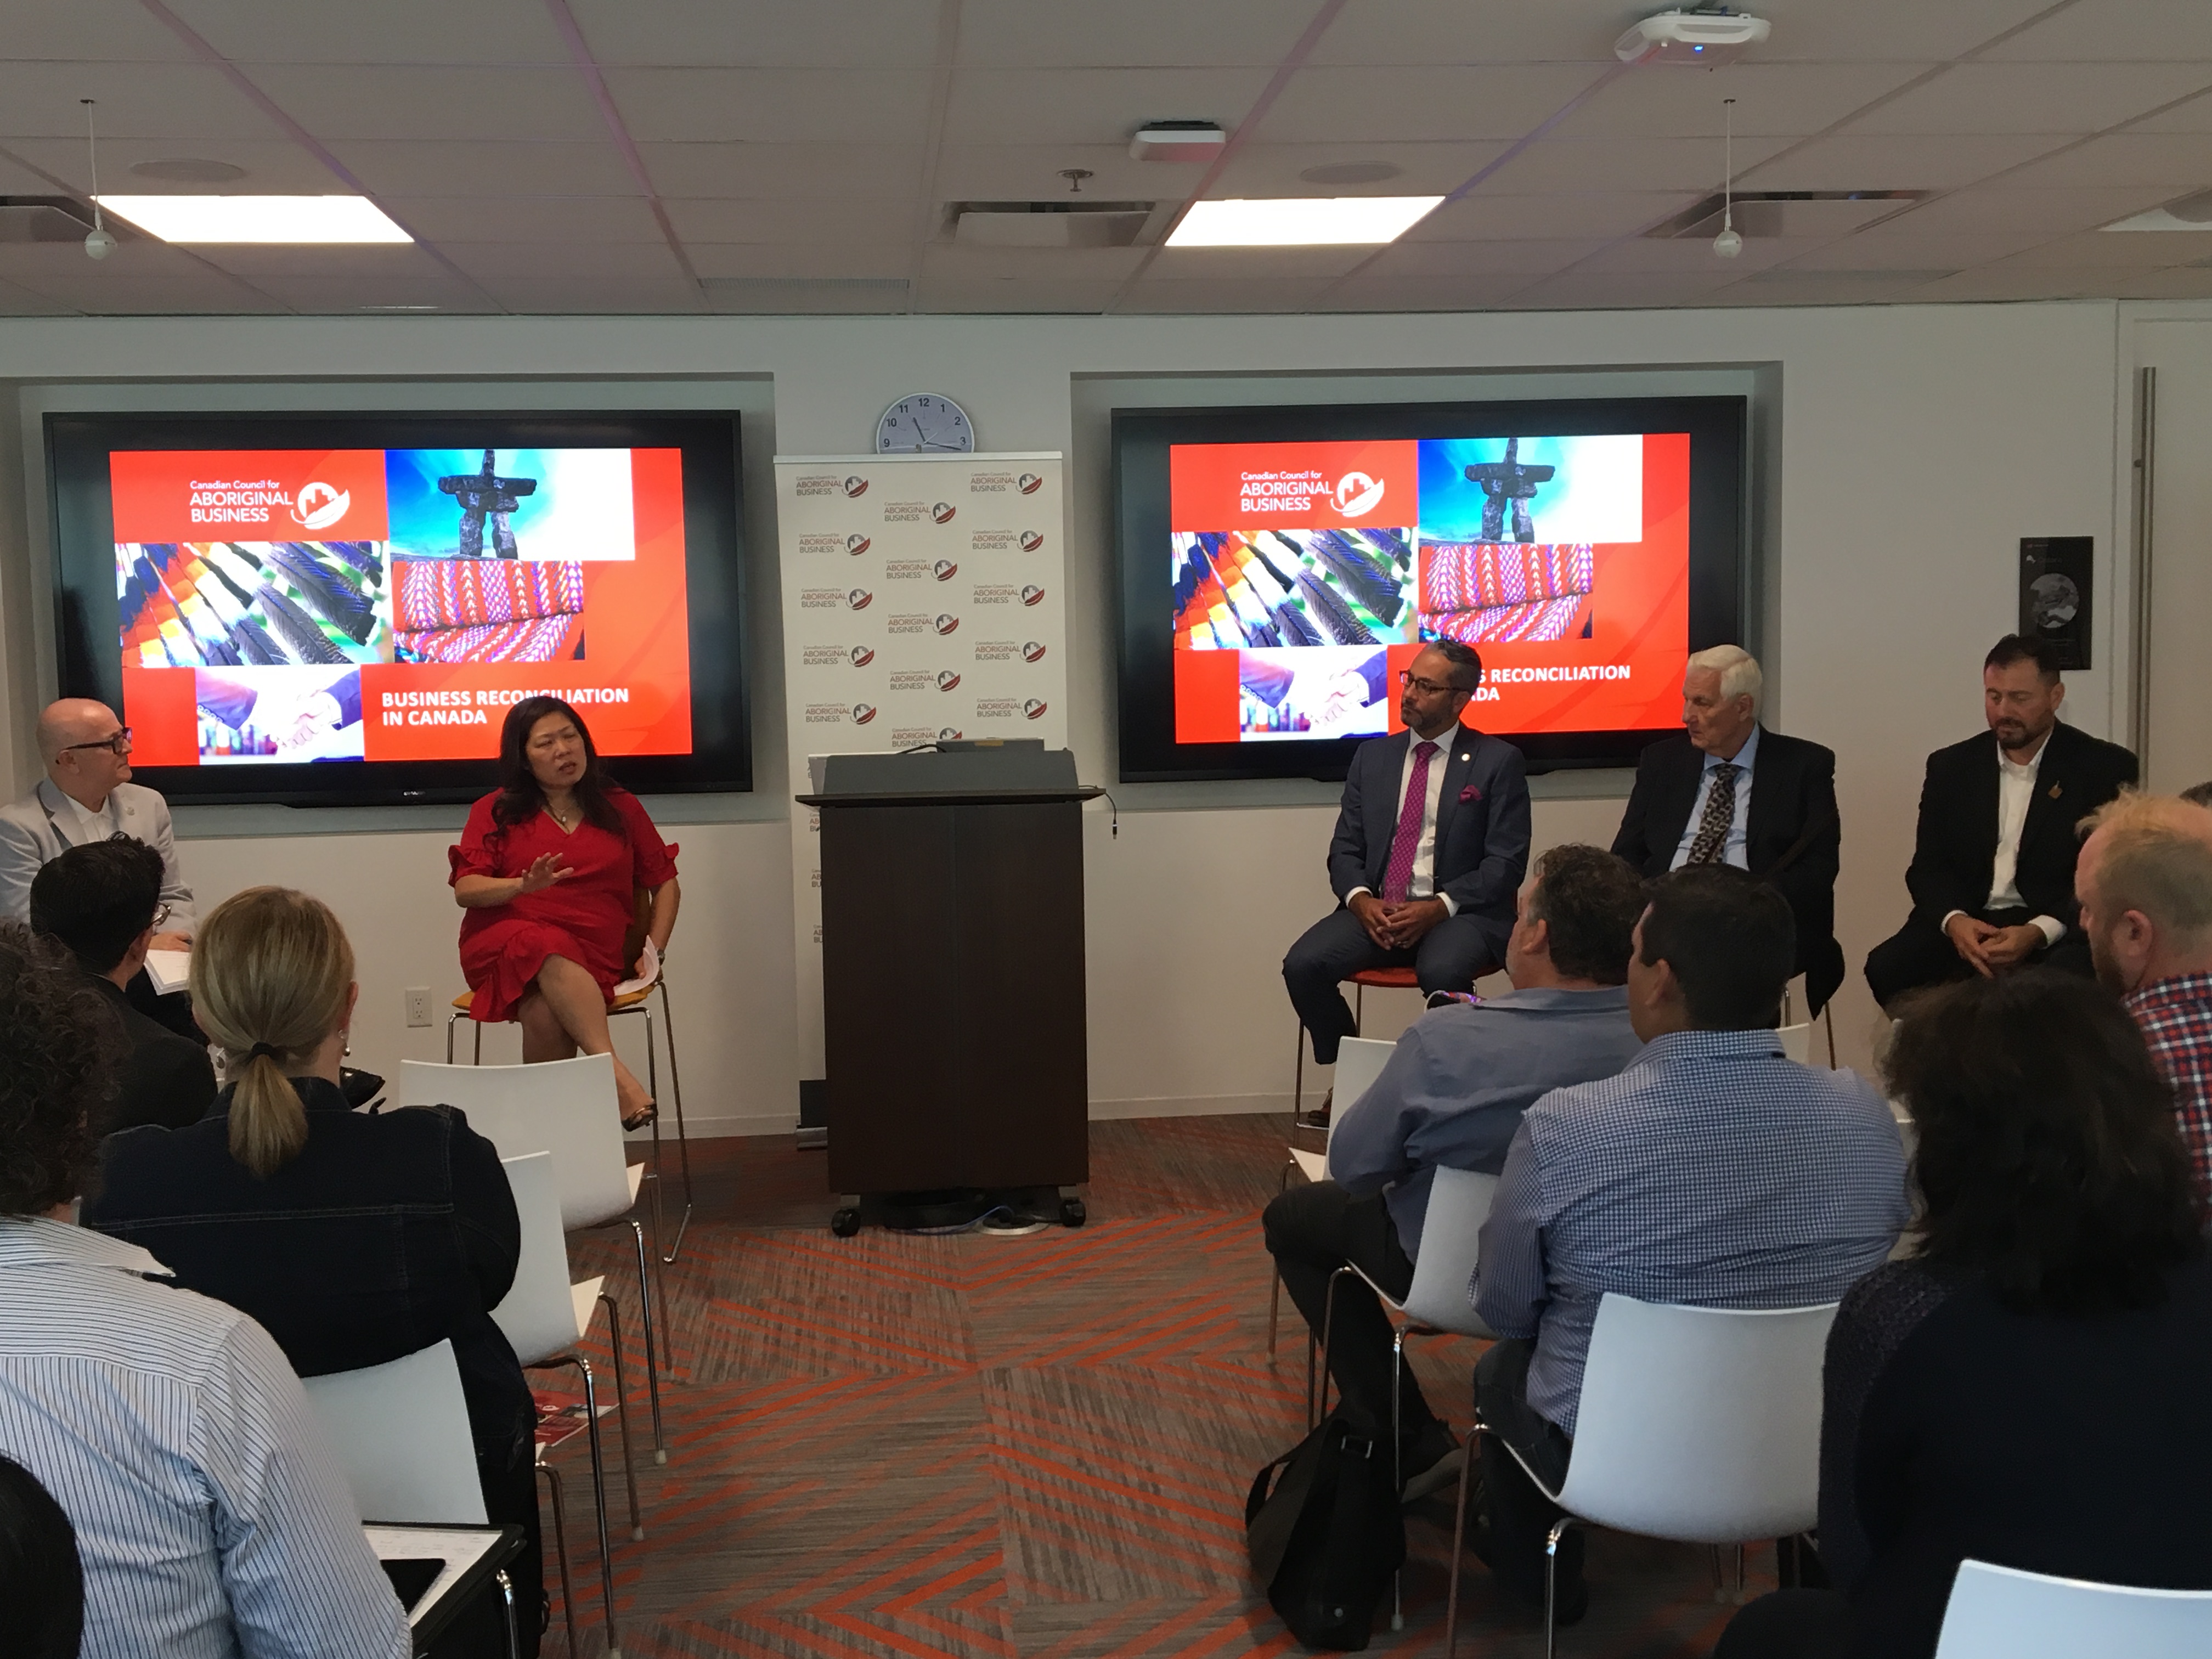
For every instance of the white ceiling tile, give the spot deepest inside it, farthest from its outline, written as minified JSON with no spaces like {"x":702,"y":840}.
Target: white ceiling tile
{"x":2094,"y":31}
{"x":2183,"y":282}
{"x":16,"y":301}
{"x":1771,"y":99}
{"x":139,"y":257}
{"x":1235,"y":264}
{"x":386,"y":32}
{"x":864,"y":106}
{"x":2068,"y":98}
{"x":1626,"y":164}
{"x":1090,"y":105}
{"x":188,"y":293}
{"x":1992,"y":284}
{"x":563,"y":296}
{"x":1158,"y":33}
{"x":1791,"y":288}
{"x":1499,"y":215}
{"x":806,"y":260}
{"x":755,"y":171}
{"x":1889,"y":31}
{"x":1694,"y":256}
{"x":115,"y":31}
{"x":1469,"y":293}
{"x":1453,"y":32}
{"x":1854,"y":161}
{"x":1423,"y":169}
{"x":1337,"y":105}
{"x":859,"y":222}
{"x":492,"y":263}
{"x":135,"y":101}
{"x":1026,"y":172}
{"x":2053,"y":213}
{"x":410,"y":168}
{"x":1615,"y":290}
{"x":1014,"y":296}
{"x":331,"y":295}
{"x":1156,"y":296}
{"x":275,"y":166}
{"x":1901,"y":247}
{"x":394,"y":263}
{"x":952,"y":263}
{"x":2181,"y":160}
{"x":760,"y":34}
{"x":2113,"y":251}
{"x":385,"y":102}
{"x":2195,"y":116}
{"x":1527,"y":258}
{"x":549,"y":219}
{"x":22,"y":174}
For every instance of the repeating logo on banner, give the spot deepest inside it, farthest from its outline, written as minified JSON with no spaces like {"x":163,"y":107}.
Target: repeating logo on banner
{"x":1356,"y":493}
{"x":863,"y":713}
{"x":946,"y":622}
{"x":862,"y":655}
{"x":1032,"y":651}
{"x":858,"y":598}
{"x":1032,"y":540}
{"x":319,"y":505}
{"x":856,"y":543}
{"x":943,"y":512}
{"x":946,"y":679}
{"x":945,"y":570}
{"x":1031,"y":593}
{"x":948,"y":734}
{"x":1029,"y":483}
{"x":854,"y":486}
{"x":1033,"y":708}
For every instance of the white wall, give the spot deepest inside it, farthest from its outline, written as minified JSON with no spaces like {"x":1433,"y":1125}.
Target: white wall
{"x":1907,"y":451}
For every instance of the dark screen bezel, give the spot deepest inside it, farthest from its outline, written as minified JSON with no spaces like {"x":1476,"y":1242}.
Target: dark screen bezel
{"x":85,"y":614}
{"x":1140,"y":439}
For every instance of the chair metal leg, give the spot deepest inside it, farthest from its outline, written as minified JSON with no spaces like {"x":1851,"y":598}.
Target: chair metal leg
{"x":507,"y":1596}
{"x":1398,"y":1464}
{"x":1458,"y":1541}
{"x":478,"y":1061}
{"x":561,"y":1549}
{"x":598,"y":1490}
{"x":1551,"y":1585}
{"x":1320,"y":1369}
{"x":452,"y":1020}
{"x":652,"y":1363}
{"x":682,"y":1134}
{"x":1828,"y":1014}
{"x":1275,"y":1289}
{"x":1720,"y":1575}
{"x":1298,"y":1076}
{"x":1358,"y":1010}
{"x":621,"y":1411}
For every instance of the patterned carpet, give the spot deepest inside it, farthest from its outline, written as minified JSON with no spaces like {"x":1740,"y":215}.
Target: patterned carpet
{"x":1014,"y":1448}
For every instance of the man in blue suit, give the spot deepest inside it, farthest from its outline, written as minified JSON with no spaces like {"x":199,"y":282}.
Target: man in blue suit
{"x":1430,"y":850}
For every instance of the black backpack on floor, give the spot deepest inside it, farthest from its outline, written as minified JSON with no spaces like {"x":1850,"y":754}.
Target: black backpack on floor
{"x":1326,"y":1540}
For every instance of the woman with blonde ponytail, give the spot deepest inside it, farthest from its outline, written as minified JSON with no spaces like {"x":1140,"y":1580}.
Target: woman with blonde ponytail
{"x":354,"y":1238}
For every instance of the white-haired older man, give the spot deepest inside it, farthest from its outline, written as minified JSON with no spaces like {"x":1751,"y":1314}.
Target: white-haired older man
{"x":1728,"y":791}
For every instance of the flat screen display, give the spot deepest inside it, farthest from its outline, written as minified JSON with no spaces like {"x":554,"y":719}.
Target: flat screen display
{"x":1280,"y":568}
{"x":344,"y":608}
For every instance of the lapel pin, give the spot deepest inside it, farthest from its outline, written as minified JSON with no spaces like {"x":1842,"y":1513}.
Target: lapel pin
{"x":1466,"y":757}
{"x":2056,"y":790}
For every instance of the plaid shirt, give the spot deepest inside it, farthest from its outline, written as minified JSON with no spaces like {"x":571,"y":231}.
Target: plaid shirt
{"x":2176,"y":1017}
{"x":1712,"y":1173}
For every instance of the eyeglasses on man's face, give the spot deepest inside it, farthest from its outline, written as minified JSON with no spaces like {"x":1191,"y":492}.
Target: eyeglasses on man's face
{"x":1414,"y":682}
{"x":117,"y":742}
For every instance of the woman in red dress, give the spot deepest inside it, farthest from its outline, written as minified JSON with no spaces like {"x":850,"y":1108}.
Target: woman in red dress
{"x":547,"y":870}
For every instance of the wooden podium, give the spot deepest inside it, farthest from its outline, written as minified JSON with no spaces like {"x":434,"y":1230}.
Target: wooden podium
{"x":952,"y":973}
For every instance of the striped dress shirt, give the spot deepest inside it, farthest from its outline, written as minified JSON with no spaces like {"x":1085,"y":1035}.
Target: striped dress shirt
{"x":210,"y":1516}
{"x":1711,"y":1173}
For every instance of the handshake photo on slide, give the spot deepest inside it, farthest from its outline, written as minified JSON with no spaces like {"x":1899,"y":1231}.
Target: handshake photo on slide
{"x":280,"y":715}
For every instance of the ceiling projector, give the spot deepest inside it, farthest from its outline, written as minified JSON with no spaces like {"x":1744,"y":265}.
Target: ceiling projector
{"x":1690,"y":37}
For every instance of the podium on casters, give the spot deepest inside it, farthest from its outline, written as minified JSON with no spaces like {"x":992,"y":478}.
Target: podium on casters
{"x":952,"y":973}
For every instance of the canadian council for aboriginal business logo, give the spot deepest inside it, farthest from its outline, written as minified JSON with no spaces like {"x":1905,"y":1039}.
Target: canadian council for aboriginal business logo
{"x":948,"y":734}
{"x":863,"y":713}
{"x":943,"y":512}
{"x":946,"y":622}
{"x":1033,"y":708}
{"x":1032,"y":651}
{"x":1032,"y":540}
{"x":856,"y":543}
{"x":1027,"y":482}
{"x":858,"y":598}
{"x":1032,"y":594}
{"x":862,"y":655}
{"x":947,"y":678}
{"x":945,"y":570}
{"x":854,"y":486}
{"x":319,"y":504}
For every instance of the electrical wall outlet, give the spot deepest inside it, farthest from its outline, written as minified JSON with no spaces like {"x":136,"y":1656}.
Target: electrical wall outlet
{"x":418,"y":1005}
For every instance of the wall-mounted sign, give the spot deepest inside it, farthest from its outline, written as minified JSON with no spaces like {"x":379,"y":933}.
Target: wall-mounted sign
{"x":2055,"y":593}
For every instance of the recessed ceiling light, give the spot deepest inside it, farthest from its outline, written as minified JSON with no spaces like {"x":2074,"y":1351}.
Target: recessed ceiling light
{"x":258,"y":218}
{"x":1301,"y":220}
{"x":1351,"y":172}
{"x":188,"y":170}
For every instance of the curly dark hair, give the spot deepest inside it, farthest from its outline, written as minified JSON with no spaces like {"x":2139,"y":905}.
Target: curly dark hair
{"x":2050,"y":1160}
{"x":1591,"y":898}
{"x":58,"y":1045}
{"x":520,"y":795}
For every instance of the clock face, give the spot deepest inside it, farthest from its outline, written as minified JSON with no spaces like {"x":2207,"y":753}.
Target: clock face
{"x":925,"y":424}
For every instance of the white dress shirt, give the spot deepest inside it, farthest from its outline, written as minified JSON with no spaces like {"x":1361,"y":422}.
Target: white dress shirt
{"x":1737,"y":848}
{"x":97,"y":826}
{"x":1421,"y":883}
{"x":210,"y":1516}
{"x":2015,"y":794}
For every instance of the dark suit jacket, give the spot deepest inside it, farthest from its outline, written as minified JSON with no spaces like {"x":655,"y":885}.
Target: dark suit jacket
{"x":163,"y":1079}
{"x":1792,"y":837}
{"x":1955,"y":853}
{"x":1482,"y":823}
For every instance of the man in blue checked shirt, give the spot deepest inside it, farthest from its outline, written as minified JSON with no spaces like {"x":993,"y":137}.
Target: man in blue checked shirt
{"x":1712,"y":1173}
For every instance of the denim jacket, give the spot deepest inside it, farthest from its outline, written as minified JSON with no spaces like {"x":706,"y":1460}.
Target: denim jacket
{"x":386,"y":1233}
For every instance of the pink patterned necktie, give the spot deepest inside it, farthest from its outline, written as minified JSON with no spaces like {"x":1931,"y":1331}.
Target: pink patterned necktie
{"x":1398,"y":874}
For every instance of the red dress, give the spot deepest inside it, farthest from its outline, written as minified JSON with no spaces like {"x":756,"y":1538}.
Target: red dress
{"x":585,"y":917}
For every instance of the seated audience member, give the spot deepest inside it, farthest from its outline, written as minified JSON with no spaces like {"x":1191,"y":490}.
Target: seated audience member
{"x":41,"y":1580}
{"x":354,"y":1238}
{"x":1712,"y":1172}
{"x":1450,"y":1097}
{"x":211,"y":1516}
{"x":1992,"y":872}
{"x":103,"y":900}
{"x":2028,"y":1387}
{"x":2145,"y":880}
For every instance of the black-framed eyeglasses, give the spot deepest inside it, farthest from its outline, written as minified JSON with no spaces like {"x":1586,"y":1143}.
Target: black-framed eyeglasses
{"x":119,"y":744}
{"x":161,"y":914}
{"x":1414,"y":682}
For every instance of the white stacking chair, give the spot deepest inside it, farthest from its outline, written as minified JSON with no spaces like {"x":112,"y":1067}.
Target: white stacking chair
{"x":543,"y":1317}
{"x":1438,"y":1303}
{"x":1359,"y":1061}
{"x":1796,"y":1043}
{"x":2003,"y":1613}
{"x":1700,"y":1425}
{"x":400,"y":1432}
{"x":566,"y":1107}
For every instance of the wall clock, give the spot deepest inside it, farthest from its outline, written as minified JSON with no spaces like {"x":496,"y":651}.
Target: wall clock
{"x":925,"y":423}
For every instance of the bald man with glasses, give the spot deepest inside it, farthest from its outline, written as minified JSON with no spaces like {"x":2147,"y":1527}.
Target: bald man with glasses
{"x":86,"y":795}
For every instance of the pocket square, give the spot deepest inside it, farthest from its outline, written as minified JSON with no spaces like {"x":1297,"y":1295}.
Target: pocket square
{"x":1469,"y":793}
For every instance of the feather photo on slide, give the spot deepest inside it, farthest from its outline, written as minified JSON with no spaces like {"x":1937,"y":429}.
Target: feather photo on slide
{"x":253,"y":604}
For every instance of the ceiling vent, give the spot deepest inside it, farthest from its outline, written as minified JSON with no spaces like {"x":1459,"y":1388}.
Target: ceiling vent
{"x":806,"y":296}
{"x":1771,"y":213}
{"x":1070,"y":221}
{"x":50,"y":219}
{"x":1177,"y":141}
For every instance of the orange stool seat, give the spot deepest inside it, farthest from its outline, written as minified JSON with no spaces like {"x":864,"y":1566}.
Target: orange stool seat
{"x":1391,"y":979}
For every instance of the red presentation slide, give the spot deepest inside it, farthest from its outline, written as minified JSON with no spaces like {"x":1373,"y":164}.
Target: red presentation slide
{"x":1307,"y":574}
{"x":279,"y":607}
